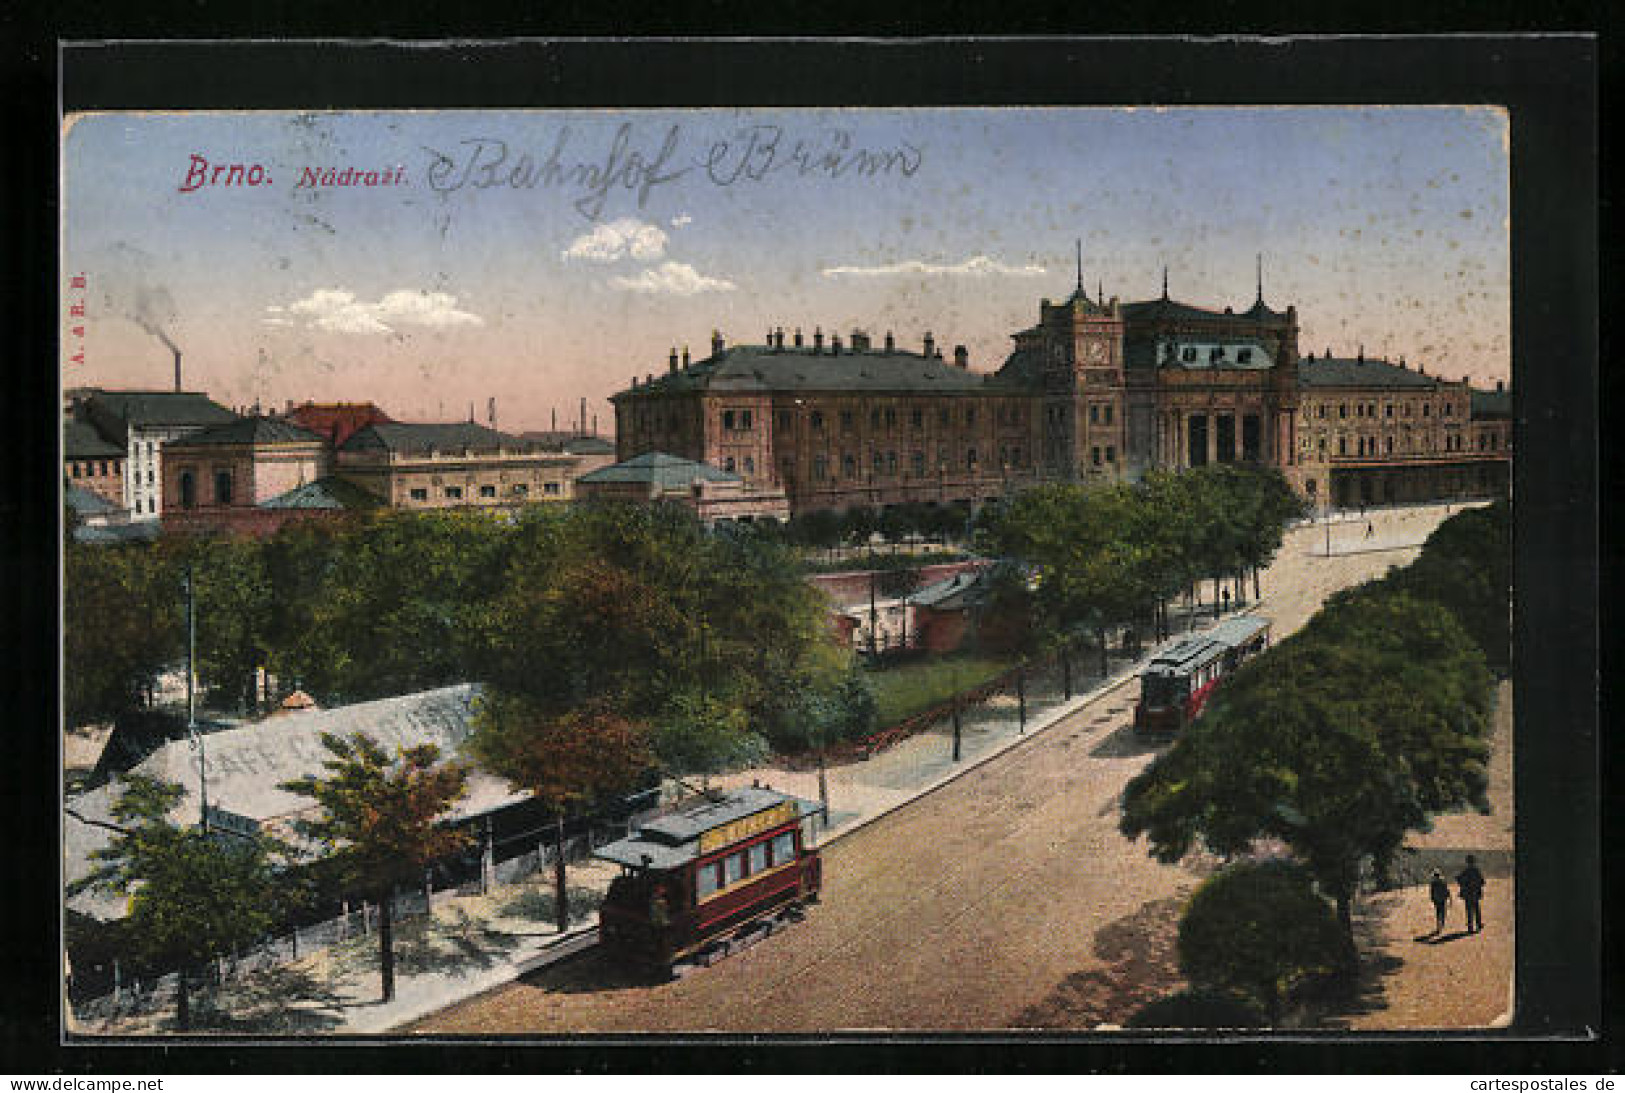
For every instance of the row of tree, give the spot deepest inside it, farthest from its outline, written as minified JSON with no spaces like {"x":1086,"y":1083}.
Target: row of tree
{"x":627,"y":610}
{"x":1344,"y":737}
{"x":825,"y":529}
{"x":1117,"y":555}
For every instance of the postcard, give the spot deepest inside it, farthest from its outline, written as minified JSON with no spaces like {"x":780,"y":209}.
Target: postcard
{"x":555,"y":572}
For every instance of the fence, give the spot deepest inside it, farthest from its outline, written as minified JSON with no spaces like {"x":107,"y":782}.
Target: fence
{"x":102,"y":993}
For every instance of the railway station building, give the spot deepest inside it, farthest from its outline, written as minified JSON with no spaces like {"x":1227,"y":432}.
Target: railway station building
{"x":1098,"y":390}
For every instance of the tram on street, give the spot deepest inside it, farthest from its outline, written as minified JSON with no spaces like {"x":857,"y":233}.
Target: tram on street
{"x":1175,"y":686}
{"x":715,"y":870}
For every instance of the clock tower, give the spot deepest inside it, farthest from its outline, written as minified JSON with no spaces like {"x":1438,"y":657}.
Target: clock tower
{"x":1080,"y":341}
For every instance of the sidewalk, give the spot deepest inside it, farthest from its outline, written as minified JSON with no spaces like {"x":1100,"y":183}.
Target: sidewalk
{"x":476,"y":943}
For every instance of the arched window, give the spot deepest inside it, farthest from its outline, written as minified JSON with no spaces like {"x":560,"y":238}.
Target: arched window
{"x":222,"y":487}
{"x":188,"y":490}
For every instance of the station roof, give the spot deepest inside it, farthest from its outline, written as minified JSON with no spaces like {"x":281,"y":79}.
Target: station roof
{"x":1361,"y":372}
{"x":761,"y":368}
{"x":250,"y":430}
{"x":80,"y":440}
{"x":658,"y":469}
{"x":422,"y":437}
{"x":159,"y":408}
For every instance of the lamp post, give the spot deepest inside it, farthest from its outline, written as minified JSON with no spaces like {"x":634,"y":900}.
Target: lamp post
{"x":194,"y":737}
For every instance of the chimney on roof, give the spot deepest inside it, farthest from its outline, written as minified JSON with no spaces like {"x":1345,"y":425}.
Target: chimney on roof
{"x":778,"y":338}
{"x":290,"y":406}
{"x":1360,"y":356}
{"x":648,"y":379}
{"x":685,"y":356}
{"x":799,"y":341}
{"x":818,"y":339}
{"x":1421,"y":369}
{"x":891,"y":343}
{"x":930,"y":345}
{"x":1500,"y":387}
{"x":717,"y":344}
{"x":177,"y":353}
{"x":671,"y":361}
{"x":860,"y":341}
{"x":835,"y":344}
{"x":582,"y":427}
{"x":961,"y":357}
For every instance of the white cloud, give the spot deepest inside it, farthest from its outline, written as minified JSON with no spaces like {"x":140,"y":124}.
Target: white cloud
{"x":979,"y":266}
{"x":624,"y":238}
{"x":682,"y":221}
{"x":673,"y":279}
{"x":338,"y":311}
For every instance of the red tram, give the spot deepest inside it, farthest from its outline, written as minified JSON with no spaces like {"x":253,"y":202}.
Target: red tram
{"x":706,"y":872}
{"x":1175,"y":686}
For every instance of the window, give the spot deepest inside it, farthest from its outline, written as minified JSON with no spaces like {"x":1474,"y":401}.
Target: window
{"x":784,"y":419}
{"x":750,"y":464}
{"x":1094,"y":455}
{"x":1342,"y":409}
{"x":1111,"y":454}
{"x":816,"y":419}
{"x":1015,"y":457}
{"x":421,"y":494}
{"x":918,"y":461}
{"x":1445,"y":411}
{"x":705,"y":881}
{"x":880,"y":463}
{"x":891,"y":418}
{"x":76,"y":470}
{"x":970,"y":417}
{"x":1322,"y":445}
{"x":874,"y":419}
{"x":188,"y":491}
{"x":1245,"y":356}
{"x":1320,"y":411}
{"x":222,"y":487}
{"x":1188,"y":354}
{"x":1388,"y":410}
{"x":550,"y":489}
{"x":744,"y":419}
{"x":849,"y":466}
{"x":728,"y":464}
{"x":891,"y":463}
{"x":820,"y":468}
{"x":1427,"y":410}
{"x":784,"y":847}
{"x":1108,"y":414}
{"x":916,"y":418}
{"x":758,"y":858}
{"x":733,"y":868}
{"x":1342,"y":446}
{"x":846,"y":421}
{"x":727,"y":419}
{"x":1309,"y":487}
{"x":454,"y":493}
{"x":970,"y":459}
{"x":942,"y":416}
{"x":1390,"y":445}
{"x":1094,"y":415}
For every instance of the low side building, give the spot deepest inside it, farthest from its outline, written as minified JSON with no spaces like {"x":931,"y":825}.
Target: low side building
{"x":92,"y":463}
{"x":713,"y":494}
{"x":143,"y":422}
{"x":220,"y":476}
{"x":431,"y":466}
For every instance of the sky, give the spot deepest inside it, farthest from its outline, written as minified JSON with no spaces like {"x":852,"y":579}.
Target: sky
{"x":541,"y":257}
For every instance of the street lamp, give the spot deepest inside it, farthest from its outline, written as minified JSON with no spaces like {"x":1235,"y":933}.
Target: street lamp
{"x":195,"y":739}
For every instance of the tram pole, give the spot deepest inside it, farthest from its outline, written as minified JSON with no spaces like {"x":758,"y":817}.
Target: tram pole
{"x":1021,"y":695}
{"x":956,"y":716}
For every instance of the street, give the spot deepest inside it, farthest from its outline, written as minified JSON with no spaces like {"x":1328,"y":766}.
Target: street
{"x":1003,"y":899}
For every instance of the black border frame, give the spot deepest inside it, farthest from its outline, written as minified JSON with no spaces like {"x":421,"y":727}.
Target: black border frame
{"x":1549,"y":83}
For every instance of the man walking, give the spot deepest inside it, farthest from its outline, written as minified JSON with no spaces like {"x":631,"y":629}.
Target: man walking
{"x":1470,"y":883}
{"x":1439,"y":892}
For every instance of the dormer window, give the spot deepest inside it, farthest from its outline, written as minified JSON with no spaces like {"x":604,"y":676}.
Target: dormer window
{"x":1244,"y":356}
{"x":1188,"y":355}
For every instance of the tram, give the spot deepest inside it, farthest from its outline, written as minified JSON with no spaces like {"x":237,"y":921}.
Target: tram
{"x":1175,"y":686}
{"x":706,"y":873}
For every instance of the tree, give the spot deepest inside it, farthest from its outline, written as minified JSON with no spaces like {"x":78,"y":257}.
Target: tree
{"x":1466,"y":565}
{"x":858,"y":525}
{"x":232,"y":608}
{"x":699,"y":734}
{"x":569,"y":759}
{"x":193,"y":897}
{"x":1337,"y":741}
{"x":120,"y":626}
{"x":382,"y":820}
{"x":1257,"y":927}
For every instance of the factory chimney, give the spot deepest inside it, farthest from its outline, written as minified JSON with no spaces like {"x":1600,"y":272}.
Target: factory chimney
{"x":177,"y":368}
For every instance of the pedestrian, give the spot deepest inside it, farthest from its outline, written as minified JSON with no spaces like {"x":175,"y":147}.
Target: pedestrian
{"x":1368,"y":529}
{"x":1439,"y":891}
{"x":1470,"y":883}
{"x":1226,"y":595}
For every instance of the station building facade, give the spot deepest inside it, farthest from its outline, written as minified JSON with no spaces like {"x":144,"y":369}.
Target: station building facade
{"x":1098,"y":390}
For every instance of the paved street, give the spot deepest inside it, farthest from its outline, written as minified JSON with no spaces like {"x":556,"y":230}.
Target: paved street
{"x":1004,"y":899}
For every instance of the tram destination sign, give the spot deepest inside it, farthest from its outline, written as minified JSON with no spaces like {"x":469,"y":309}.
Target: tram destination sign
{"x":736,"y":830}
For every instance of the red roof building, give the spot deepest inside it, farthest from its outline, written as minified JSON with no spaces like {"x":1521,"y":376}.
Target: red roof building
{"x":336,"y":421}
